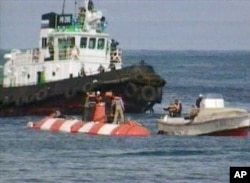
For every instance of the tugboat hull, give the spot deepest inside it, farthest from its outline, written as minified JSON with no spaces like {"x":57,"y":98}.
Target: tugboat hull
{"x":139,"y":86}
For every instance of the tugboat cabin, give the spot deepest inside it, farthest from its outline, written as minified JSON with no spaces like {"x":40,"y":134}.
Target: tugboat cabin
{"x":69,"y":46}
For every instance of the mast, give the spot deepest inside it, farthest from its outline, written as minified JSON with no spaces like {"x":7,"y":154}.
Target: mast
{"x":75,"y":9}
{"x":63,"y":7}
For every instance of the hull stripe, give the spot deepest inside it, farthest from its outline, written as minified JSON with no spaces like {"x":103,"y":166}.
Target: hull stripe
{"x":47,"y":124}
{"x":96,"y":128}
{"x":86,"y":127}
{"x":56,"y":125}
{"x":66,"y":126}
{"x":75,"y":127}
{"x":107,"y":129}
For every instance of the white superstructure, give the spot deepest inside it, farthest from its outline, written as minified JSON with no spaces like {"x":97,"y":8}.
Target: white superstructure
{"x":69,"y":47}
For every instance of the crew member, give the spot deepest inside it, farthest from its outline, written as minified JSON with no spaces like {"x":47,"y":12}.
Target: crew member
{"x":87,"y":106}
{"x":98,"y":97}
{"x":101,"y":69}
{"x":194,"y":112}
{"x":108,"y":98}
{"x":198,"y":101}
{"x":119,"y":109}
{"x":174,"y":109}
{"x":56,"y":114}
{"x":82,"y":73}
{"x":51,"y":51}
{"x":112,"y":66}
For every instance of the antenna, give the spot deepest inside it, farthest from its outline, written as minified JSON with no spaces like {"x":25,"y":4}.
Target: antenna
{"x":63,"y":7}
{"x":75,"y":8}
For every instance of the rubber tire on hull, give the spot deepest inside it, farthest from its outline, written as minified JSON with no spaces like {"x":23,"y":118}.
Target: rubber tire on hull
{"x":87,"y":87}
{"x":148,"y":93}
{"x":130,"y":90}
{"x":29,"y":98}
{"x":8,"y":100}
{"x":19,"y":101}
{"x":70,"y":93}
{"x":42,"y":94}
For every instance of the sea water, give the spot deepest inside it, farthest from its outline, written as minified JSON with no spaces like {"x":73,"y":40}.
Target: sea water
{"x":35,"y":156}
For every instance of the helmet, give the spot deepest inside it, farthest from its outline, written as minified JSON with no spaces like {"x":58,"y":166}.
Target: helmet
{"x":200,"y":95}
{"x":98,"y":93}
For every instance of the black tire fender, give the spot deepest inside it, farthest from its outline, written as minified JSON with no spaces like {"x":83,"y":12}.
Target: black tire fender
{"x":87,"y":87}
{"x":139,"y":77}
{"x":8,"y":100}
{"x":130,"y":90}
{"x":42,"y":94}
{"x":70,"y":93}
{"x":19,"y":101}
{"x":148,"y":93}
{"x":29,"y":98}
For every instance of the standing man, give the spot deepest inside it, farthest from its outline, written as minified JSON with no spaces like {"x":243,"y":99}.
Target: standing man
{"x":119,"y":109}
{"x":198,"y":101}
{"x":87,"y":106}
{"x":98,"y":97}
{"x":85,"y":111}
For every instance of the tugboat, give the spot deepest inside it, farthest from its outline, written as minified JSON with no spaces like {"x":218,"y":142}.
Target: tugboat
{"x":75,"y":55}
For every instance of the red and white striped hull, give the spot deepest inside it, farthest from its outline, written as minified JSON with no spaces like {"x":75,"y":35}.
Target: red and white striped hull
{"x":129,"y":128}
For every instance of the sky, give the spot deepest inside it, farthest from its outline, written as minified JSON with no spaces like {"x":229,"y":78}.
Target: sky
{"x":140,"y":24}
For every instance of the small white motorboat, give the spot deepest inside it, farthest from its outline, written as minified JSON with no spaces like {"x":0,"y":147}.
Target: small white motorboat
{"x":212,"y":119}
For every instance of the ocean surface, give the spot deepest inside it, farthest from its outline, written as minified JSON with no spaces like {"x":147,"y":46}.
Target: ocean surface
{"x":36,"y":157}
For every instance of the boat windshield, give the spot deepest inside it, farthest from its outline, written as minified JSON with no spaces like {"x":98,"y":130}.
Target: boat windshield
{"x":213,"y":96}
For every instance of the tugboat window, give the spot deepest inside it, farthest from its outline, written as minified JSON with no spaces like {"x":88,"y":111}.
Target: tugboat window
{"x":71,"y":42}
{"x":92,"y":42}
{"x":83,"y":42}
{"x":53,"y":73}
{"x":100,"y":45}
{"x":44,"y":42}
{"x":62,"y":45}
{"x":28,"y":76}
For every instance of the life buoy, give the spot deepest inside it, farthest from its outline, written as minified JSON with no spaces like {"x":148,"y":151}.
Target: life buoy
{"x":148,"y":93}
{"x":70,"y":93}
{"x":130,"y":90}
{"x":87,"y":87}
{"x":42,"y":94}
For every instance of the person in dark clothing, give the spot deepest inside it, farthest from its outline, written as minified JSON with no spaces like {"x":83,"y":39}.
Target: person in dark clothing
{"x":98,"y":97}
{"x":108,"y":97}
{"x":57,"y":114}
{"x":101,"y":69}
{"x":198,"y":101}
{"x":87,"y":107}
{"x":85,"y":112}
{"x":112,"y":66}
{"x":174,"y":109}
